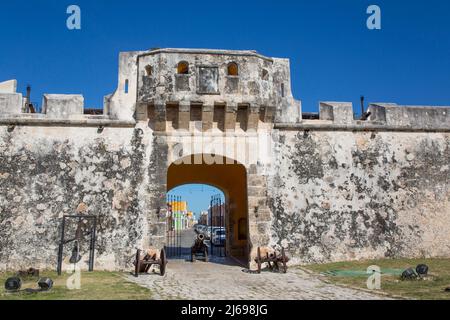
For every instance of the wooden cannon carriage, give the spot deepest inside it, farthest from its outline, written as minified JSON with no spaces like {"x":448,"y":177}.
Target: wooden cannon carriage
{"x":143,"y":264}
{"x":272,"y":258}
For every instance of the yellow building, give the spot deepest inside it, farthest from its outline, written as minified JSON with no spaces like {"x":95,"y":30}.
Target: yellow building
{"x":183,"y":219}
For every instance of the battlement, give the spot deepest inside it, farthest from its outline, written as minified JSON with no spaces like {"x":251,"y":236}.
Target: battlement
{"x":379,"y":116}
{"x":11,"y":102}
{"x":155,"y":81}
{"x":204,"y":89}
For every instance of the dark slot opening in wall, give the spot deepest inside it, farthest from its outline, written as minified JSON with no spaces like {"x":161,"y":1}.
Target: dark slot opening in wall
{"x":148,"y":70}
{"x":126,"y":86}
{"x":219,"y":117}
{"x":196,"y":113}
{"x":151,"y":113}
{"x":93,"y":112}
{"x":173,"y":115}
{"x":310,"y":116}
{"x":262,"y":114}
{"x":242,"y":117}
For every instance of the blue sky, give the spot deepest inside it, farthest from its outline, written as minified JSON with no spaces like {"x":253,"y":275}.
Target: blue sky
{"x":198,"y":196}
{"x":333,"y":55}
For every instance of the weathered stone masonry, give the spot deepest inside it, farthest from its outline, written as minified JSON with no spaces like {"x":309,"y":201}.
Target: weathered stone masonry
{"x":352,"y":195}
{"x":327,"y":190}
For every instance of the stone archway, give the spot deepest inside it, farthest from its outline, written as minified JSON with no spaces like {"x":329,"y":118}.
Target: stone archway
{"x":228,"y":176}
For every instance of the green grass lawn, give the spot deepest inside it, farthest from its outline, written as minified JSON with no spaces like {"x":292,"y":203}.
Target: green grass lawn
{"x":94,"y":286}
{"x":430,"y":288}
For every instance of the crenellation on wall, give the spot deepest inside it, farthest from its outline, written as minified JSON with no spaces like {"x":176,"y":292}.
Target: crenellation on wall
{"x":338,"y":112}
{"x":9,"y":86}
{"x":339,"y":116}
{"x":63,"y":106}
{"x":426,"y":117}
{"x":11,"y":102}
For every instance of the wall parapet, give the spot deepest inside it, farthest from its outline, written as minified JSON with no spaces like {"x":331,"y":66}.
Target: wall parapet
{"x":379,"y":116}
{"x":85,"y":121}
{"x":57,"y":110}
{"x":428,"y":117}
{"x":358,"y":126}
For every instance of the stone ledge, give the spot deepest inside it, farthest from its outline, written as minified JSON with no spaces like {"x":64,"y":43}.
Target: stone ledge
{"x":249,"y":53}
{"x":87,"y":122}
{"x":358,"y":126}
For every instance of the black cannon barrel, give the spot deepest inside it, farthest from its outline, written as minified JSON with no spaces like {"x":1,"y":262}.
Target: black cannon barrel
{"x":13,"y":284}
{"x":45,"y":284}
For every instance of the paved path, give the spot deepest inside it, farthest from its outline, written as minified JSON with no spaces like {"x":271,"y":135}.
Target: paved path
{"x":222,"y":281}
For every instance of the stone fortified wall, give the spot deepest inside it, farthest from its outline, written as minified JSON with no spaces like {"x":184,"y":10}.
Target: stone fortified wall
{"x":330,"y":189}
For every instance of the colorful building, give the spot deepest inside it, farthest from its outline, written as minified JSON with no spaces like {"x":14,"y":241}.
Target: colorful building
{"x":178,"y":215}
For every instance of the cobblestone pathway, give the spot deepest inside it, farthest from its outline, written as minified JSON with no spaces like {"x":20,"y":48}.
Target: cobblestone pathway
{"x":214,"y":281}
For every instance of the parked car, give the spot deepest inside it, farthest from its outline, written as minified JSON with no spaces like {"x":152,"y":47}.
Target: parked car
{"x":198,"y":228}
{"x":207,"y":233}
{"x":217,"y":228}
{"x":219,"y":237}
{"x":202,"y":229}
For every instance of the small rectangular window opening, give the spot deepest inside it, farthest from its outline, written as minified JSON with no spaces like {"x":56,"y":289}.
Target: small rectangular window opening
{"x":126,"y":86}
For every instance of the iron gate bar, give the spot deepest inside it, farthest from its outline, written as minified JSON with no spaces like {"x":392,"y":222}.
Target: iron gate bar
{"x":211,"y":214}
{"x":217,"y":221}
{"x":174,"y":226}
{"x":92,"y":233}
{"x":180,"y":227}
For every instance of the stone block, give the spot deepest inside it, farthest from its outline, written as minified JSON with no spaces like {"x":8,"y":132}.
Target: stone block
{"x":159,"y":114}
{"x":182,"y":82}
{"x":207,"y":117}
{"x":184,"y":115}
{"x":10,"y":103}
{"x":339,"y":112}
{"x":230,"y":117}
{"x":63,"y":106}
{"x":9,"y":86}
{"x":418,"y":117}
{"x":253,"y":118}
{"x":255,"y":180}
{"x":141,"y":112}
{"x":257,"y":191}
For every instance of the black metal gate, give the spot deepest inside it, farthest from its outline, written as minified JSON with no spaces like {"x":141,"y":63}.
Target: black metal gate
{"x":217,"y":227}
{"x":174,"y":246}
{"x":180,"y":236}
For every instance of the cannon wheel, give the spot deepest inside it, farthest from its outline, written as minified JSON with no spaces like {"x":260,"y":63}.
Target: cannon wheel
{"x":258,"y":259}
{"x":137,"y":264}
{"x":283,"y":257}
{"x":205,"y":252}
{"x":162,"y":266}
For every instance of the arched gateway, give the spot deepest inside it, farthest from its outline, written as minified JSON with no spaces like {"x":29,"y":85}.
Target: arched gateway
{"x":231,"y":178}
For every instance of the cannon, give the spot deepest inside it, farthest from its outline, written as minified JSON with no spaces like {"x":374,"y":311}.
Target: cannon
{"x":142,"y":265}
{"x":199,"y":249}
{"x":273,"y":259}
